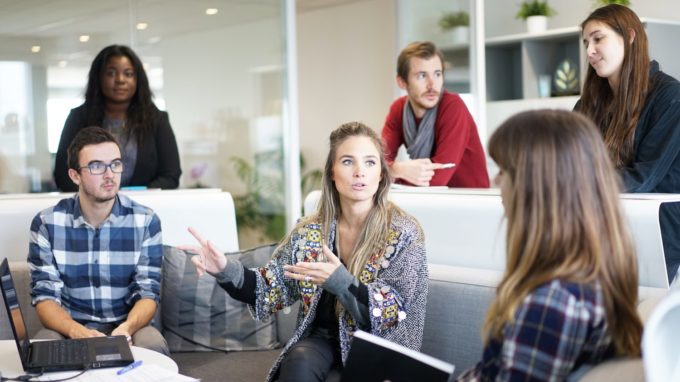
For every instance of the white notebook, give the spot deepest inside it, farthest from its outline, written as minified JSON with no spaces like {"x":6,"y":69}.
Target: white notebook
{"x":372,"y":358}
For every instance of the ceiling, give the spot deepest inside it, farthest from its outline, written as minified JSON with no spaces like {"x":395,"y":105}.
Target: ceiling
{"x":56,"y":25}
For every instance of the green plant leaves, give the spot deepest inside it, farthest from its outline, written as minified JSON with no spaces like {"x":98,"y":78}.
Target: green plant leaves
{"x":262,"y":207}
{"x":566,"y":78}
{"x":534,"y":8}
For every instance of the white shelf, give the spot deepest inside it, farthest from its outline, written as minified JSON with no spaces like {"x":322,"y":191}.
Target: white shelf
{"x":454,"y":47}
{"x":547,"y":35}
{"x":457,"y":74}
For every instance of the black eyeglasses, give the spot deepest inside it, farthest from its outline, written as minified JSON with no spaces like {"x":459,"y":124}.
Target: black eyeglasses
{"x":98,"y":168}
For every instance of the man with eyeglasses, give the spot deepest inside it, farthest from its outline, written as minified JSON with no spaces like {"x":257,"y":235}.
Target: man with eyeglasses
{"x":95,"y":258}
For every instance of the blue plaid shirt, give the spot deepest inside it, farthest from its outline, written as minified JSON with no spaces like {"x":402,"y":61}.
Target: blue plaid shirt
{"x":559,"y":327}
{"x":97,"y":275}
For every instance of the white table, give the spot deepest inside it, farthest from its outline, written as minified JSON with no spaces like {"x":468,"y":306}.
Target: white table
{"x":10,"y":364}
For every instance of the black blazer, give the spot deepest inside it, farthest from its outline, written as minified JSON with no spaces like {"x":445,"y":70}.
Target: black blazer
{"x":157,"y":157}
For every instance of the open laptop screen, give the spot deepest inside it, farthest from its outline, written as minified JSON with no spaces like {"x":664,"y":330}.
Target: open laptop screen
{"x":16,"y":318}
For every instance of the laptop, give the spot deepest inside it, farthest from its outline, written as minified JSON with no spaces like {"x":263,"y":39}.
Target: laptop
{"x":372,"y":358}
{"x":59,"y":355}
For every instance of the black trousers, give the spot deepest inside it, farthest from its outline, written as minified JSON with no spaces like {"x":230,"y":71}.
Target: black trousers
{"x":311,"y":359}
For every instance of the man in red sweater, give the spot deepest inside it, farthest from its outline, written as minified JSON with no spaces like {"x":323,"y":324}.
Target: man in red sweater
{"x":434,"y":125}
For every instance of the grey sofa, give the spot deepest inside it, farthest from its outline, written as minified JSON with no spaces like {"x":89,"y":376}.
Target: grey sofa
{"x":455,"y":312}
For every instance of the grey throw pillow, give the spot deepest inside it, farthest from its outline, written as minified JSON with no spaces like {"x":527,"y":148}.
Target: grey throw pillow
{"x":198,"y":315}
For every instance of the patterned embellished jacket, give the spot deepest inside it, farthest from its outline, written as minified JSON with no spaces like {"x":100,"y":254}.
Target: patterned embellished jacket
{"x":396,"y":279}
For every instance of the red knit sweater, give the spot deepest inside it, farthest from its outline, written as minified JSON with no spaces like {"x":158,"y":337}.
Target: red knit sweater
{"x":455,"y":141}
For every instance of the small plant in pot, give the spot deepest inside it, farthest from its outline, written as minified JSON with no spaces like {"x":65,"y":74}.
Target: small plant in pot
{"x":457,"y":24}
{"x":602,"y":3}
{"x":536,"y":14}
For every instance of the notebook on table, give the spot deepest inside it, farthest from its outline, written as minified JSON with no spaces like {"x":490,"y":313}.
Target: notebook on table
{"x":372,"y":358}
{"x":59,"y":355}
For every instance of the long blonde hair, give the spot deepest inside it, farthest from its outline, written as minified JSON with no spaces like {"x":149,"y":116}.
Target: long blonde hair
{"x":564,"y":219}
{"x":375,"y":229}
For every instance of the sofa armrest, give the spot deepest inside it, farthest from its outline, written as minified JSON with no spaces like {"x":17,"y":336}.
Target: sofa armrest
{"x":614,"y":370}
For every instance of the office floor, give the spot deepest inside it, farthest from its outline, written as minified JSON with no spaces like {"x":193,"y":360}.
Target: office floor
{"x":238,"y":366}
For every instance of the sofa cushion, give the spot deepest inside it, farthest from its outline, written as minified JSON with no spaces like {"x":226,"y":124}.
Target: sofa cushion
{"x":198,"y":315}
{"x":453,"y":322}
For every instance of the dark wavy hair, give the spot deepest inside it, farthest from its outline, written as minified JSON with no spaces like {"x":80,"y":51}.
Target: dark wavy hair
{"x":141,"y":112}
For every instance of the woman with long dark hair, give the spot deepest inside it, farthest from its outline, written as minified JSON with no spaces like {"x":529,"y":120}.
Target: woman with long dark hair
{"x":118,"y":98}
{"x":568,"y":295}
{"x":637,"y":109}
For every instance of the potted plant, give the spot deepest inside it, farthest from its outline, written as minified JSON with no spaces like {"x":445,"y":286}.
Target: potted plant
{"x":457,"y":24}
{"x":260,"y":212}
{"x":536,"y":14}
{"x":602,"y":3}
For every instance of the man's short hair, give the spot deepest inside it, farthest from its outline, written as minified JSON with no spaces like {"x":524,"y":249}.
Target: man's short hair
{"x":420,"y":49}
{"x":92,"y":135}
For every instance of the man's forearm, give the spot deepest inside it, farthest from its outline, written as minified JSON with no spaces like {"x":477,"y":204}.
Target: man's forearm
{"x":141,"y":314}
{"x":54,"y":317}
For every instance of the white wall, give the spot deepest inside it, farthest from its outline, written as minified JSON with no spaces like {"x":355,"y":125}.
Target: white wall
{"x":346,"y":66}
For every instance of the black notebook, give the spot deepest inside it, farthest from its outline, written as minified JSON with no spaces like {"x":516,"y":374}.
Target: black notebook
{"x":372,"y":358}
{"x":59,"y":355}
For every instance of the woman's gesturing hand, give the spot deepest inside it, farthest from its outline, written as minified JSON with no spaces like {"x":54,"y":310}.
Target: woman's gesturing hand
{"x":317,"y":272}
{"x":208,"y":257}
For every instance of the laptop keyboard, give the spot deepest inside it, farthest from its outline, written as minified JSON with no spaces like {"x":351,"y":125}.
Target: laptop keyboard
{"x":67,"y":352}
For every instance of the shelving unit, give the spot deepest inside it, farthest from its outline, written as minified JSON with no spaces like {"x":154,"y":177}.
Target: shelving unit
{"x":515,"y":62}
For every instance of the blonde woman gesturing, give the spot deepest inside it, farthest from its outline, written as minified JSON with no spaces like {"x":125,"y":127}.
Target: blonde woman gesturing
{"x":357,"y":263}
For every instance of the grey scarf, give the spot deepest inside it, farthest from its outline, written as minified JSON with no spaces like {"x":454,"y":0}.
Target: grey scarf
{"x":419,"y":140}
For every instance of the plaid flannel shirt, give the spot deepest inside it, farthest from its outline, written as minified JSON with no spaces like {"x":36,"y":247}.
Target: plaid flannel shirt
{"x":557,"y":328}
{"x":97,"y":275}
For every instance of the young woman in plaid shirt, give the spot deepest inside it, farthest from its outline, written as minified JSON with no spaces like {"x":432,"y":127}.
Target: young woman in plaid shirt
{"x":568,"y":296}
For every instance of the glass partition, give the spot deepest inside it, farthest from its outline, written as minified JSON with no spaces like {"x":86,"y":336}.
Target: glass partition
{"x":217,"y":67}
{"x":447,"y":24}
{"x":457,"y":28}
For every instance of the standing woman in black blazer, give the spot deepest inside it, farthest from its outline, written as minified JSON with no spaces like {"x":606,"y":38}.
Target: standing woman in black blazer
{"x":118,"y":98}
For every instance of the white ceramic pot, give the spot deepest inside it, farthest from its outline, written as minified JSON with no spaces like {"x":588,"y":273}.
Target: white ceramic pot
{"x":537,"y":24}
{"x":460,"y":35}
{"x":455,"y":36}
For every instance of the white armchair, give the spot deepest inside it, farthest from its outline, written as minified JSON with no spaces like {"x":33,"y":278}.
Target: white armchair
{"x":661,"y":341}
